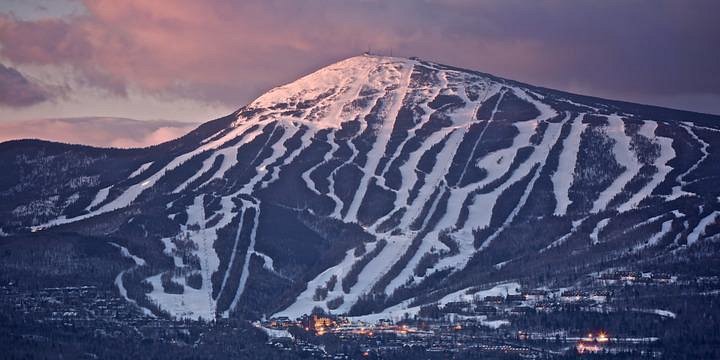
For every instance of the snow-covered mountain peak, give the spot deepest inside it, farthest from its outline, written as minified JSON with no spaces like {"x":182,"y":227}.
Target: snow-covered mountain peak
{"x":325,"y":98}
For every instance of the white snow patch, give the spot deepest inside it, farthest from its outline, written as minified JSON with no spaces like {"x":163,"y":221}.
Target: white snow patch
{"x":655,"y":238}
{"x":99,"y":197}
{"x":563,"y":177}
{"x":140,"y":170}
{"x":699,"y":230}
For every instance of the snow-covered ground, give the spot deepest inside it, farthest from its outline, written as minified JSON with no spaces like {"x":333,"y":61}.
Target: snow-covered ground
{"x":399,"y":311}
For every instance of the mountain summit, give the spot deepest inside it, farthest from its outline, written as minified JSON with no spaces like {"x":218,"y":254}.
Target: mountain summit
{"x":376,"y":185}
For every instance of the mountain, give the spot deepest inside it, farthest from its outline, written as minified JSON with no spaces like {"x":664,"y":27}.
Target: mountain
{"x":96,"y":131}
{"x":375,"y":185}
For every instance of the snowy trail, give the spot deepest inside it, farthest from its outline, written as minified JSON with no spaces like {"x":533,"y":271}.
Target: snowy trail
{"x":99,"y":198}
{"x":409,"y":168}
{"x":667,"y":153}
{"x":246,"y":265}
{"x":412,"y":133}
{"x":309,"y":183}
{"x":132,"y":192}
{"x":703,"y":149}
{"x":383,"y":136}
{"x":699,"y":230}
{"x":624,"y":156}
{"x":457,"y":196}
{"x":595,"y":234}
{"x":654,"y":240}
{"x":480,"y":137}
{"x":119,"y":278}
{"x":551,"y":138}
{"x":563,"y":177}
{"x":275,"y":170}
{"x":140,"y":170}
{"x":234,"y":248}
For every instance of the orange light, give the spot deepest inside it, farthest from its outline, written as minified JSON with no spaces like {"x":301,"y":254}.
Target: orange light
{"x":602,"y":337}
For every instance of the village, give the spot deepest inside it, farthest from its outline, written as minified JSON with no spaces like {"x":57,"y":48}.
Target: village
{"x":522,"y":323}
{"x":486,"y":325}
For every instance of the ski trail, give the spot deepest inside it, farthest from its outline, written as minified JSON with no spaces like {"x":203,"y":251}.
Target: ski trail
{"x":474,"y":148}
{"x":305,"y":140}
{"x":563,"y":176}
{"x":412,"y":132}
{"x":705,"y":153}
{"x":234,"y":249}
{"x":667,"y":153}
{"x":624,"y":155}
{"x":654,"y":240}
{"x":246,"y":265}
{"x":383,"y":136}
{"x":131,"y":193}
{"x":699,"y":230}
{"x":553,"y":133}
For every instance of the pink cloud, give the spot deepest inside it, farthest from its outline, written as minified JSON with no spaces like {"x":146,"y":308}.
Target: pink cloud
{"x":218,"y":50}
{"x":16,"y":90}
{"x":101,"y":131}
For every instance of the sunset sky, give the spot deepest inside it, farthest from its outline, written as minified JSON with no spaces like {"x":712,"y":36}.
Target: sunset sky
{"x":191,"y":61}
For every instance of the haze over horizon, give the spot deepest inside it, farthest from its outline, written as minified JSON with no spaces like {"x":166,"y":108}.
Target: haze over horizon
{"x":192,"y":62}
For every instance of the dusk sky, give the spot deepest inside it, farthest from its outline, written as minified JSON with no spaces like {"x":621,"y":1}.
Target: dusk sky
{"x":192,"y":61}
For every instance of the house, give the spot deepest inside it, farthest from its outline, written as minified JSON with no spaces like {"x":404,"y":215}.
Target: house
{"x":573,"y":295}
{"x":485,"y":310}
{"x":601,"y":296}
{"x":522,"y":310}
{"x":535,"y":295}
{"x":515,"y":298}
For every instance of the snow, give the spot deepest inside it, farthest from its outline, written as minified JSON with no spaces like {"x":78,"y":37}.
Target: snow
{"x":132,"y":192}
{"x":659,"y":312}
{"x":194,"y":303}
{"x":140,"y":170}
{"x":246,"y":265}
{"x":99,"y":197}
{"x":624,"y":155}
{"x":667,"y":153}
{"x":654,"y":240}
{"x":383,"y":136}
{"x":398,"y":312}
{"x":126,"y":253}
{"x":677,"y":190}
{"x":119,"y":278}
{"x":563,"y":176}
{"x":595,"y":234}
{"x":274,"y":333}
{"x":479,"y":139}
{"x":699,"y":230}
{"x":342,"y":77}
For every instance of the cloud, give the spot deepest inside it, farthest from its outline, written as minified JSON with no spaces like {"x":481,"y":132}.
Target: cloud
{"x":230,"y":52}
{"x":96,"y":131}
{"x":17,"y":91}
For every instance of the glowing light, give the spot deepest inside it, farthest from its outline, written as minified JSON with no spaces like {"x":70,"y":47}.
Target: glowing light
{"x":602,"y":337}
